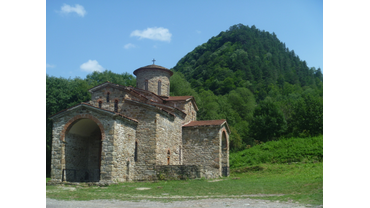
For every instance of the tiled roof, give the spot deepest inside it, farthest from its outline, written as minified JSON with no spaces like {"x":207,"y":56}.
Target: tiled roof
{"x":97,"y":86}
{"x":206,"y":123}
{"x":182,"y":98}
{"x":123,"y":116}
{"x":142,"y":92}
{"x":178,"y":98}
{"x":209,"y":123}
{"x":154,"y":67}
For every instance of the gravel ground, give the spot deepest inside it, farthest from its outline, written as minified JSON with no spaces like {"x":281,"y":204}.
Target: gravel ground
{"x":214,"y":203}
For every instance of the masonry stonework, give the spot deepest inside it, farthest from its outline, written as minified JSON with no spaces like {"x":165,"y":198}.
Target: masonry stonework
{"x":154,"y":78}
{"x":133,"y":134}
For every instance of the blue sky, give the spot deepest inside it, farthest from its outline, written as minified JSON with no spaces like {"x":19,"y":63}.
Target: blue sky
{"x":121,"y":36}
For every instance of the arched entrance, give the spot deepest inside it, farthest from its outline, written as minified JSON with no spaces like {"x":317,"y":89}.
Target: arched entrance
{"x":82,"y":151}
{"x":224,"y":159}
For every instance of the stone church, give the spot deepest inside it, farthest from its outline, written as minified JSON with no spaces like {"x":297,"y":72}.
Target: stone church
{"x":133,"y":134}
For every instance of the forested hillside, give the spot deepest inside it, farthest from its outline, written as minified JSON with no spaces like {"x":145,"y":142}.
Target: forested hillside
{"x":244,"y":75}
{"x":245,"y":57}
{"x":254,"y":81}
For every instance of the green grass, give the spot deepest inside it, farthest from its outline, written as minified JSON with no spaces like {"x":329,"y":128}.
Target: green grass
{"x":297,"y":182}
{"x":289,"y":170}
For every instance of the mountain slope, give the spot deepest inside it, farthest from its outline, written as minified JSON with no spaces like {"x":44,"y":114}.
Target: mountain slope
{"x":252,"y":79}
{"x":245,"y":57}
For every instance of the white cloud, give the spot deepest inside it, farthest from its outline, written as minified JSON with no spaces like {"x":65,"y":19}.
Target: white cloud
{"x":154,"y":33}
{"x":91,"y":65}
{"x":78,"y":9}
{"x":50,"y":66}
{"x":129,"y":45}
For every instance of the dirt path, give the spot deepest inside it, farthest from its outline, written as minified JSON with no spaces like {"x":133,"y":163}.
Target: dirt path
{"x":213,"y":203}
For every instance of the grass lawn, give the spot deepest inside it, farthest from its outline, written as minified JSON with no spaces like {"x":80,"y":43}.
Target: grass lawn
{"x":296,"y":182}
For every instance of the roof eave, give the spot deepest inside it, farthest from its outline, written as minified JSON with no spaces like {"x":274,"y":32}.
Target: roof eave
{"x":114,"y":114}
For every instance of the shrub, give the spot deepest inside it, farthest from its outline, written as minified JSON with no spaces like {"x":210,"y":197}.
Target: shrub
{"x":282,"y":151}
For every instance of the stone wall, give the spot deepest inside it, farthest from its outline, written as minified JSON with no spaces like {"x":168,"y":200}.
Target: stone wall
{"x":187,"y":107}
{"x":178,"y":172}
{"x":118,"y":94}
{"x":106,"y":122}
{"x":169,"y":172}
{"x":124,"y":150}
{"x":145,"y":131}
{"x":201,"y":146}
{"x":169,"y":132}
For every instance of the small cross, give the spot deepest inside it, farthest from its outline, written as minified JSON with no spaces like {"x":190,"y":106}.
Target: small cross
{"x":153,"y":61}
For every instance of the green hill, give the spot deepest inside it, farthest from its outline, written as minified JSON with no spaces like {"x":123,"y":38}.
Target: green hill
{"x":245,"y":57}
{"x":252,"y":79}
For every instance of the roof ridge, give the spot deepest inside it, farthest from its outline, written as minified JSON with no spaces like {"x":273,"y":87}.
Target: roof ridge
{"x":85,"y":103}
{"x":135,"y":101}
{"x":148,"y":92}
{"x":168,"y":106}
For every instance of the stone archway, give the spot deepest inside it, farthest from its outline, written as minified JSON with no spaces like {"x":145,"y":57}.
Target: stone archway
{"x":224,"y":154}
{"x":82,"y":151}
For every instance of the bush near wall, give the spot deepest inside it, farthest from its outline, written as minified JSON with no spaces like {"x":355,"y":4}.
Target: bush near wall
{"x":282,"y":151}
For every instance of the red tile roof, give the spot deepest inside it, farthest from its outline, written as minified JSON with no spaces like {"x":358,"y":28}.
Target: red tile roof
{"x":178,"y":98}
{"x":206,"y":123}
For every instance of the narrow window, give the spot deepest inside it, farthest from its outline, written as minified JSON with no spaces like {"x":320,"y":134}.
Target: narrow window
{"x":168,"y":157}
{"x":180,"y":155}
{"x":116,"y":106}
{"x":108,"y":97}
{"x":100,"y":102}
{"x":128,"y":169}
{"x":146,"y":84}
{"x":159,"y":87}
{"x":135,"y":155}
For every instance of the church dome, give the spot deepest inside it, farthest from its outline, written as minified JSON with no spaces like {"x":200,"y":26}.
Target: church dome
{"x":154,"y":78}
{"x":153,"y":67}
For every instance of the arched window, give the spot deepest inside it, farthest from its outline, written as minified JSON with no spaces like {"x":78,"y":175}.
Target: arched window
{"x":116,"y":106}
{"x":168,"y":157}
{"x":100,"y":102}
{"x":159,"y":87}
{"x":146,"y":84}
{"x":108,"y":97}
{"x":224,"y":142}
